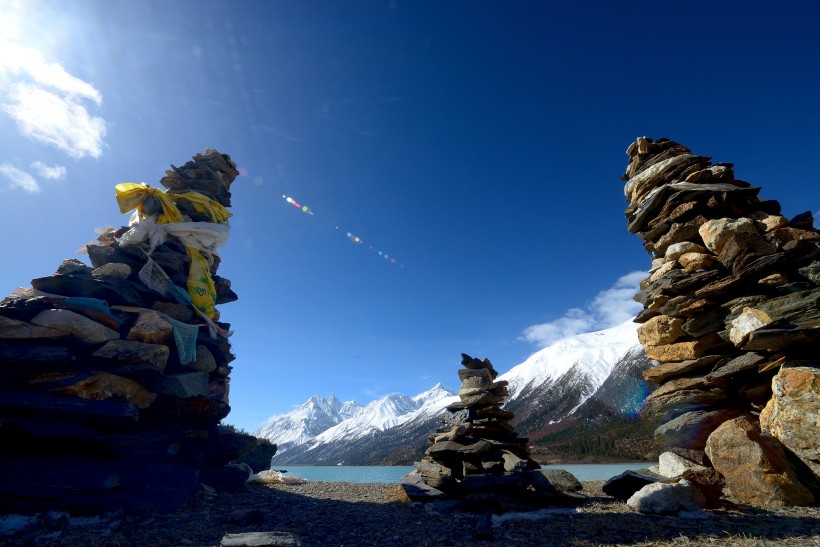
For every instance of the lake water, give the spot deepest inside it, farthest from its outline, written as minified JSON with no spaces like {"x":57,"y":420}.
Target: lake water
{"x":384,"y":474}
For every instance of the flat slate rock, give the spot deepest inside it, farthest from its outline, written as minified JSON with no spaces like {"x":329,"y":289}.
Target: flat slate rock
{"x":260,"y":539}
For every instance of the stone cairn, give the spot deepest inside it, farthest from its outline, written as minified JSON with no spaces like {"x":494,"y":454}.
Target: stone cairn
{"x":732,"y":315}
{"x":476,"y":459}
{"x":113,"y":379}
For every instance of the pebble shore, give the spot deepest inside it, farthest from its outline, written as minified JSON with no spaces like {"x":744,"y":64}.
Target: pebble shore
{"x":350,"y":514}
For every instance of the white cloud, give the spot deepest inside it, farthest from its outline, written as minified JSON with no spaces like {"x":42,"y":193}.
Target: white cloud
{"x":56,"y":172}
{"x":18,"y":178}
{"x":48,"y":103}
{"x":610,"y":307}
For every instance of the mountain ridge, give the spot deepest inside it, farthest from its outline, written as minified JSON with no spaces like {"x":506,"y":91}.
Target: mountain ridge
{"x":555,"y":383}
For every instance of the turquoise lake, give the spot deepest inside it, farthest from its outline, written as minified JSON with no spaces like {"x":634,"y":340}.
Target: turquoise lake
{"x":384,"y":474}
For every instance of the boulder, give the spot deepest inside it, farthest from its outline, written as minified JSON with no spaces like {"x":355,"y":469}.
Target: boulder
{"x":623,"y":486}
{"x":793,"y":413}
{"x":672,"y":465}
{"x":81,"y":327}
{"x":417,"y":490}
{"x":661,"y":498}
{"x":691,"y":430}
{"x":755,"y":467}
{"x":562,"y":480}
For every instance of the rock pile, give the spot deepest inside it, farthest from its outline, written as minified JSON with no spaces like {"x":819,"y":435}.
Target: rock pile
{"x":732,"y":314}
{"x":477,"y":459}
{"x":113,"y":379}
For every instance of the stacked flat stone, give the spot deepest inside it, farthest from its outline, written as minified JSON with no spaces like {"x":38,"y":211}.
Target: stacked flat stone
{"x":111,"y":393}
{"x":732,"y":315}
{"x":477,"y":457}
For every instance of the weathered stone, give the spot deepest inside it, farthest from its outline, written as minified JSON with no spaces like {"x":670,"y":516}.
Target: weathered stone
{"x":623,"y":486}
{"x":698,"y":261}
{"x":811,"y":272}
{"x":661,"y":498}
{"x":185,"y":385}
{"x":773,"y":280}
{"x":664,"y":371}
{"x":12,"y":329}
{"x":679,"y":233}
{"x":667,"y":266}
{"x":115,"y":269}
{"x":766,"y":222}
{"x":793,"y":413}
{"x":682,"y":384}
{"x":97,"y":386}
{"x":112,"y":289}
{"x":660,"y":330}
{"x":715,"y":233}
{"x":742,"y":249}
{"x":151,"y":328}
{"x":417,"y":490}
{"x":745,"y":362}
{"x":756,"y":469}
{"x":709,"y":321}
{"x":672,"y":465}
{"x":473,"y":363}
{"x":784,"y":235}
{"x":691,"y":430}
{"x":512,"y":463}
{"x":72,"y":266}
{"x":683,"y":351}
{"x":678,"y":403}
{"x":131,"y":353}
{"x":204,"y":361}
{"x":80,"y":327}
{"x":261,"y":539}
{"x":562,"y":480}
{"x":675,"y":251}
{"x":435,"y":475}
{"x":174,"y":311}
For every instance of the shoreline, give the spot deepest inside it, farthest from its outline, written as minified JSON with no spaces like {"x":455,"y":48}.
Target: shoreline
{"x":323,"y":513}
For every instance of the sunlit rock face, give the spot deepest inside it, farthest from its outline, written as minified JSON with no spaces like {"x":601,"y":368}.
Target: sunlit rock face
{"x":732,"y":298}
{"x":114,"y":378}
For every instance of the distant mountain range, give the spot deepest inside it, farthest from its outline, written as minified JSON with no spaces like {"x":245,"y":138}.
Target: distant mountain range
{"x":580,"y":383}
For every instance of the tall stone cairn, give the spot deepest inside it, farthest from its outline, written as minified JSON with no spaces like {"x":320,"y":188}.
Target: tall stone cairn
{"x":110,"y":392}
{"x":476,"y":458}
{"x":732,"y":315}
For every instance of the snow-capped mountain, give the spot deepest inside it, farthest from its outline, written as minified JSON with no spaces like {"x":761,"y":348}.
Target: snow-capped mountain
{"x":549,"y":386}
{"x":386,"y":413}
{"x":558,"y":379}
{"x":299,"y":426}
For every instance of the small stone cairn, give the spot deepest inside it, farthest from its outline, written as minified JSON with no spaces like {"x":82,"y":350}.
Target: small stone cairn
{"x":732,"y":315}
{"x":113,"y":379}
{"x":476,"y":458}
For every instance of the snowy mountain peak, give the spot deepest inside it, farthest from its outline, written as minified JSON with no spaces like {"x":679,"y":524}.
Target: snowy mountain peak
{"x":315,"y":415}
{"x":591,"y":354}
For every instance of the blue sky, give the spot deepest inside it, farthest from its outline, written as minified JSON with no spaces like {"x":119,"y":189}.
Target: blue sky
{"x":478,"y":144}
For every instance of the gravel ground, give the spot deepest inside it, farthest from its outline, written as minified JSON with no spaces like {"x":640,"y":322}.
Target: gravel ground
{"x":348,"y":514}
